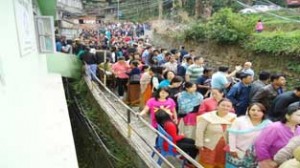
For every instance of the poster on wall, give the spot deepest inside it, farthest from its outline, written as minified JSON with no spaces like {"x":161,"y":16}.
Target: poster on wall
{"x":25,"y":28}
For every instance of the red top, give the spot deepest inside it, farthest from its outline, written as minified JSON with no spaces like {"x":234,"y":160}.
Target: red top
{"x":171,"y":129}
{"x":208,"y":105}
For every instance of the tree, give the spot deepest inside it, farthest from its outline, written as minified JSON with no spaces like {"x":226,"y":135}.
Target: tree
{"x":160,"y":9}
{"x":177,"y":3}
{"x":208,"y":7}
{"x":198,"y":9}
{"x":203,"y":8}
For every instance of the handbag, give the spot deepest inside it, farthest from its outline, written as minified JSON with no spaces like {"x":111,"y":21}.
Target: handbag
{"x":246,"y":160}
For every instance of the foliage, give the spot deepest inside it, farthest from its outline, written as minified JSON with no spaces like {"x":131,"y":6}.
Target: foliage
{"x":220,"y":4}
{"x":197,"y":32}
{"x":294,"y":66}
{"x":224,"y":27}
{"x":228,"y":27}
{"x":280,"y":37}
{"x":216,"y":5}
{"x":190,"y":7}
{"x":277,"y":25}
{"x":277,"y":43}
{"x":273,"y":23}
{"x":108,"y":133}
{"x":80,"y":88}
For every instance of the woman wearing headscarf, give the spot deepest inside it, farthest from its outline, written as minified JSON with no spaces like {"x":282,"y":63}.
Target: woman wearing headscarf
{"x":211,"y":135}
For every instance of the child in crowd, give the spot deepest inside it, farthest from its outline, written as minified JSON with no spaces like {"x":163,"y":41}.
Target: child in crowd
{"x":184,"y":143}
{"x":259,"y":26}
{"x":162,"y":101}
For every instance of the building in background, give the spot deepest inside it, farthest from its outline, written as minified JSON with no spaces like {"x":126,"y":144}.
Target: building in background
{"x":67,"y":10}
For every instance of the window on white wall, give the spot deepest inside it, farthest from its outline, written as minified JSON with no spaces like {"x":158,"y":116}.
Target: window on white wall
{"x":45,"y":34}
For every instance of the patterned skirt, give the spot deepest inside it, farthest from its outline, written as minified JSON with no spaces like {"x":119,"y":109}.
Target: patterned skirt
{"x":214,"y":158}
{"x":247,"y":160}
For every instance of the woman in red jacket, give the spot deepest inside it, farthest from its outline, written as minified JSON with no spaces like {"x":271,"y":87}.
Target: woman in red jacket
{"x":185,"y":144}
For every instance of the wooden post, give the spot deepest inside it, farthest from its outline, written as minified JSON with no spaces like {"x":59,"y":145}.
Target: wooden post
{"x":128,"y":123}
{"x":104,"y":77}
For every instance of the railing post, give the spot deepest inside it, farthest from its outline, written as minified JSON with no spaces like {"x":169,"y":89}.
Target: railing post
{"x":104,"y":77}
{"x":128,"y":124}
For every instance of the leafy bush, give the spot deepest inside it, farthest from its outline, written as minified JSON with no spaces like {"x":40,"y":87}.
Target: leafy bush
{"x":228,"y":27}
{"x":197,"y":32}
{"x":281,"y":25}
{"x":277,"y":43}
{"x":294,"y":66}
{"x":220,"y":4}
{"x":190,"y":7}
{"x":224,"y":27}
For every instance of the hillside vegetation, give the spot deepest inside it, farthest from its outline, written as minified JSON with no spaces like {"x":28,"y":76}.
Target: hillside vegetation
{"x":280,"y":37}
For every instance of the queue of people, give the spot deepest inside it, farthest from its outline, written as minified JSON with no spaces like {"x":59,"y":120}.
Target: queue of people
{"x":221,"y":117}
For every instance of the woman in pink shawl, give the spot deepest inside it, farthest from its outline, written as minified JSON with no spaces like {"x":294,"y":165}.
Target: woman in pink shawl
{"x":276,"y":136}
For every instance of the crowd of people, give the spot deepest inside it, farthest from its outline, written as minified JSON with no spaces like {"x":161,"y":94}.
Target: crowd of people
{"x":222,"y":117}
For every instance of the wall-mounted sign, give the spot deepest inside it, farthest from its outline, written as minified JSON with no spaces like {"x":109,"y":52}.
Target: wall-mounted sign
{"x":25,"y":27}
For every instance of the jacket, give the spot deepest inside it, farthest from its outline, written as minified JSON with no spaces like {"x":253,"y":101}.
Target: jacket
{"x":209,"y":129}
{"x":239,"y":96}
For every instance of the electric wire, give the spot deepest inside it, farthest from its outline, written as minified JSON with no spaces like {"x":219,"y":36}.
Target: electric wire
{"x":268,"y":13}
{"x":89,"y":124}
{"x":84,"y":120}
{"x":137,"y":132}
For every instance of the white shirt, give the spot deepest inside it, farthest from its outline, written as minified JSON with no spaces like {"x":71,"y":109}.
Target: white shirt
{"x":171,"y":66}
{"x":242,"y":142}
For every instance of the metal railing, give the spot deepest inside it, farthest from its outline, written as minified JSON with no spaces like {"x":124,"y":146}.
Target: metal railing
{"x":130,"y":128}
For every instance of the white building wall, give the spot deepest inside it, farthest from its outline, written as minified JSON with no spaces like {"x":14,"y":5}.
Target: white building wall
{"x":34,"y":124}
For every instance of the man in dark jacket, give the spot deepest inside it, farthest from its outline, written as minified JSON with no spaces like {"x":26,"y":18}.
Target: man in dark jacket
{"x":281,"y":102}
{"x":89,"y":60}
{"x":239,"y":94}
{"x":262,"y":81}
{"x":269,"y":92}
